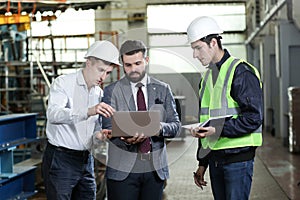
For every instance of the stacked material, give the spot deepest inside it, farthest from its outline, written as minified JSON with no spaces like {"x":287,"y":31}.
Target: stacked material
{"x":294,"y":122}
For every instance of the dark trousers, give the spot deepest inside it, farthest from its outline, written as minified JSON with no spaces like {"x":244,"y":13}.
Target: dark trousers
{"x":141,"y":185}
{"x":68,"y":174}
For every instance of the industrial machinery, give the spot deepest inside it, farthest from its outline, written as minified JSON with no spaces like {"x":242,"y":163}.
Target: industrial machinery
{"x":17,"y":181}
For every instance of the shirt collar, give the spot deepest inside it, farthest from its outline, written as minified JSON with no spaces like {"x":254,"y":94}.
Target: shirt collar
{"x":80,"y":78}
{"x":143,"y":81}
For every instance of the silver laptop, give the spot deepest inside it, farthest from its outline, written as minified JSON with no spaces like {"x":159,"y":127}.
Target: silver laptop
{"x":128,"y":123}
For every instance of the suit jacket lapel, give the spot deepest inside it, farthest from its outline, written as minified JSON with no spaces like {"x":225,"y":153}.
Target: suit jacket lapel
{"x":151,"y":89}
{"x":127,"y":94}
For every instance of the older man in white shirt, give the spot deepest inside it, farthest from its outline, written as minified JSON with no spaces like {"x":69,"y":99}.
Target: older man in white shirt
{"x":72,"y":119}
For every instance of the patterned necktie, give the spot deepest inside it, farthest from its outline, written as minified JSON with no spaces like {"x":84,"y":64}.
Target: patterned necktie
{"x":145,"y":146}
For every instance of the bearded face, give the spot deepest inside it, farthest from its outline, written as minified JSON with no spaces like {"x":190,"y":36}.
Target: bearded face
{"x":135,"y":66}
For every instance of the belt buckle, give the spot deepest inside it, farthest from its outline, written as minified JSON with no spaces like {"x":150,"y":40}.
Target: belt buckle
{"x":145,"y":156}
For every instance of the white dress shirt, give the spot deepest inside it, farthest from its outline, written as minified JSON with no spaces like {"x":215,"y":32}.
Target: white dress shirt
{"x":67,"y":122}
{"x":144,"y":89}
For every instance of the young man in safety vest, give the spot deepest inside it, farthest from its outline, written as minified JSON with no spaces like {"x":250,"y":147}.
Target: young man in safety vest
{"x":232,"y":87}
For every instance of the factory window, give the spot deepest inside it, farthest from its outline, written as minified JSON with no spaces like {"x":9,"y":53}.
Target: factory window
{"x":169,"y":49}
{"x":176,"y":17}
{"x":69,"y":32}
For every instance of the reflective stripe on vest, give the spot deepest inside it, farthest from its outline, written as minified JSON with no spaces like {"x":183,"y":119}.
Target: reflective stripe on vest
{"x":223,"y":104}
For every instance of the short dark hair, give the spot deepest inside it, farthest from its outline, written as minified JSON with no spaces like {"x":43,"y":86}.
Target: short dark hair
{"x":208,"y":38}
{"x":130,"y":47}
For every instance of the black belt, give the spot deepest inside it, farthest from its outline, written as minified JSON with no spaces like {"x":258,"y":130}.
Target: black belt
{"x":78,"y":153}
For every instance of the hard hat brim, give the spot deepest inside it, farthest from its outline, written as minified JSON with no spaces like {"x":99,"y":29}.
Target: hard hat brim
{"x":104,"y":50}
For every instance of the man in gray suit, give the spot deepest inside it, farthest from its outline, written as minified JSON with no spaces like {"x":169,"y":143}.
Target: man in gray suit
{"x":132,"y":173}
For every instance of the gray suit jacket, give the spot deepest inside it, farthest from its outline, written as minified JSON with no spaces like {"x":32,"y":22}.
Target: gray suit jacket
{"x":122,"y":156}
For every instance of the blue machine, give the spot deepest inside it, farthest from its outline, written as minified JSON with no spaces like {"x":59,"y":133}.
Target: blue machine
{"x":16,"y":182}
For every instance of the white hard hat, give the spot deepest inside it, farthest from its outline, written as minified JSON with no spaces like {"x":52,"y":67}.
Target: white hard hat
{"x":201,"y":27}
{"x":104,"y":50}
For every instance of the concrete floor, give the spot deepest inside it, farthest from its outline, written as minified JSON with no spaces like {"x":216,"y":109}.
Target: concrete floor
{"x":276,"y":172}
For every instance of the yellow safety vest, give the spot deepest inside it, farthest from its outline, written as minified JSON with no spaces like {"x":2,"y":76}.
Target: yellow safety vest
{"x":217,"y":101}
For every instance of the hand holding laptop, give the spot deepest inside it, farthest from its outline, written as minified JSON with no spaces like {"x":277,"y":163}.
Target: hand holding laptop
{"x":107,"y":134}
{"x":104,"y":134}
{"x":137,"y":138}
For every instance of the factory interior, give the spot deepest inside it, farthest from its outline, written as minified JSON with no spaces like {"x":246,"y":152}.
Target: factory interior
{"x":43,"y":39}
